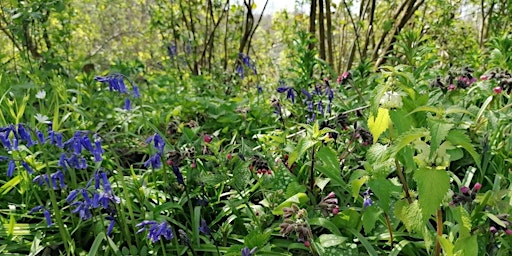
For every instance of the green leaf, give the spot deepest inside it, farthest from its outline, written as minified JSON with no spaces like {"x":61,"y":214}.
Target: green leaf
{"x":325,"y":223}
{"x":329,"y":240}
{"x":401,"y":121}
{"x":446,"y":245}
{"x":378,"y":125}
{"x":458,"y":138}
{"x":463,"y":220}
{"x":96,"y":244}
{"x":406,"y":139}
{"x":410,"y":215}
{"x":467,"y":246}
{"x":256,"y":238}
{"x":370,"y":216}
{"x":299,"y":198}
{"x":330,"y":167}
{"x":433,"y":185}
{"x":356,"y":186}
{"x":383,"y":189}
{"x":438,"y":132}
{"x":301,"y":148}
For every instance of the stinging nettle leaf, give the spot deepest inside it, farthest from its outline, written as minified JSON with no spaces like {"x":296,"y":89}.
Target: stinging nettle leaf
{"x":378,"y":125}
{"x":433,"y":185}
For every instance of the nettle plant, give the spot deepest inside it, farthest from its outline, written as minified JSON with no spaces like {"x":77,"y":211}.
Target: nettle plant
{"x":430,"y":152}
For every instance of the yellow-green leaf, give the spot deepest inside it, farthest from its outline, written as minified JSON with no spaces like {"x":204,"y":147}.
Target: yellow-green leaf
{"x":379,"y":124}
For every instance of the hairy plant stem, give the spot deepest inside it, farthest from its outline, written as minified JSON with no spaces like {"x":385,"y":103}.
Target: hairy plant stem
{"x":439,"y":231}
{"x":388,"y":224}
{"x":403,"y":181}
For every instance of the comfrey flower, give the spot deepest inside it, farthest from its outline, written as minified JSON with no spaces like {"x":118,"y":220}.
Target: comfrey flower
{"x":329,"y":204}
{"x":504,"y":226}
{"x":295,"y":220}
{"x":46,"y":214}
{"x":466,"y":196}
{"x":156,"y":230}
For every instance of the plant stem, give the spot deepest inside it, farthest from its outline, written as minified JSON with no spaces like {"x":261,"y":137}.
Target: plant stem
{"x":388,"y":224}
{"x":439,"y":231}
{"x":403,"y":181}
{"x":312,"y":174}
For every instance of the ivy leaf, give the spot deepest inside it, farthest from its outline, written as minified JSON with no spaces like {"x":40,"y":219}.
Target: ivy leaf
{"x":432,"y":188}
{"x":383,"y":189}
{"x":458,"y":138}
{"x":438,"y":132}
{"x":378,"y":125}
{"x":370,"y":216}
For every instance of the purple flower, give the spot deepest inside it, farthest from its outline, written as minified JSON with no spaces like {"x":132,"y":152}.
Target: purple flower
{"x":46,"y":214}
{"x":40,"y":136}
{"x":155,"y":230}
{"x":111,"y":225}
{"x":27,"y":167}
{"x":10,"y":168}
{"x":177,"y":172}
{"x":172,"y":50}
{"x":248,"y":252}
{"x":127,"y":104}
{"x":154,"y":161}
{"x":136,"y":92}
{"x":240,"y":71}
{"x":25,"y":135}
{"x":204,"y":228}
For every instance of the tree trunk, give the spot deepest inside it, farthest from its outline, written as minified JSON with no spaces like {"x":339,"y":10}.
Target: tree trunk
{"x":321,"y":28}
{"x":312,"y":18}
{"x":330,"y":56}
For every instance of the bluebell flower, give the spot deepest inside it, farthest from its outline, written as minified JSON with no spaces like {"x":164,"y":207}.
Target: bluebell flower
{"x":136,"y":93}
{"x":172,"y":50}
{"x":246,"y":60}
{"x":110,"y":225}
{"x":127,"y":104}
{"x":248,"y":252}
{"x":282,"y":88}
{"x":154,"y":161}
{"x":291,"y":95}
{"x":83,"y":209}
{"x":40,"y":136}
{"x":179,"y":176}
{"x":240,"y":71}
{"x":98,"y":151}
{"x":308,"y":95}
{"x":25,"y":135}
{"x":4,"y":138}
{"x":260,"y":89}
{"x":10,"y":168}
{"x":72,"y":195}
{"x":41,"y":179}
{"x":58,"y":179}
{"x":320,"y":107}
{"x":155,"y":230}
{"x":158,"y":142}
{"x":330,"y":94}
{"x":203,"y":228}
{"x":46,"y":214}
{"x":27,"y":167}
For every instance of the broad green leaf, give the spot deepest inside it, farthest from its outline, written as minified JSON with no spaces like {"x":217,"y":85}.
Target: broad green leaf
{"x":378,"y":125}
{"x":329,"y":240}
{"x":256,"y":238}
{"x":356,"y":186}
{"x":410,"y":215}
{"x":299,"y":198}
{"x":347,"y":218}
{"x":383,"y":189}
{"x":433,"y":185}
{"x":496,"y":220}
{"x":330,"y":167}
{"x":458,"y":138}
{"x":325,"y":223}
{"x":376,"y":153}
{"x":406,"y":139}
{"x":370,"y":216}
{"x":463,"y":220}
{"x":438,"y":132}
{"x":468,"y":246}
{"x":301,"y":148}
{"x":446,"y":245}
{"x":401,"y":121}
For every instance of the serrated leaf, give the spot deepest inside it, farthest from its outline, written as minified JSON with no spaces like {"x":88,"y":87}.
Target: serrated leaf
{"x":378,"y":125}
{"x":383,"y":189}
{"x":438,"y":132}
{"x":329,"y":240}
{"x":410,"y":215}
{"x":463,"y":220}
{"x":406,"y":139}
{"x":299,"y":198}
{"x":369,"y":217}
{"x":458,"y":138}
{"x":256,"y":238}
{"x":401,"y":121}
{"x":467,"y":246}
{"x":301,"y":148}
{"x":433,"y":185}
{"x":376,"y":153}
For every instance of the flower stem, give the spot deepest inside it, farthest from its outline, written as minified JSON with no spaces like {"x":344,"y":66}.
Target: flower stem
{"x":439,"y":231}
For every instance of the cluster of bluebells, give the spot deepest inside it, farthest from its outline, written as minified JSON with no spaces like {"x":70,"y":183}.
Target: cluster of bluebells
{"x":329,"y":204}
{"x":314,"y":100}
{"x":12,"y":137}
{"x":367,"y":200}
{"x":155,"y":160}
{"x":116,"y":83}
{"x":466,"y":195}
{"x":504,"y":226}
{"x":156,"y":230}
{"x":101,"y":196}
{"x":503,"y":78}
{"x":458,"y":78}
{"x":295,"y":220}
{"x":247,"y":62}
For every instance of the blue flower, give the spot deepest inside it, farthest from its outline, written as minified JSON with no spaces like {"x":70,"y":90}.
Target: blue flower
{"x":203,"y":228}
{"x":98,"y":151}
{"x":172,"y":50}
{"x":127,"y":104}
{"x":10,"y":168}
{"x":154,"y":161}
{"x":136,"y":92}
{"x":240,"y":71}
{"x":27,"y":167}
{"x":248,"y":252}
{"x":177,"y":172}
{"x":158,"y":142}
{"x":25,"y":135}
{"x":111,"y":225}
{"x":155,"y":230}
{"x":40,"y":136}
{"x":367,"y":200}
{"x":46,"y":214}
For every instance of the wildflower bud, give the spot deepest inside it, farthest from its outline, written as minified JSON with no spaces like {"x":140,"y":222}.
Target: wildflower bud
{"x":251,"y":167}
{"x":493,"y":229}
{"x":269,"y":172}
{"x":207,"y":138}
{"x":193,"y":164}
{"x":331,"y":195}
{"x":497,"y":90}
{"x":169,"y":162}
{"x":477,"y":187}
{"x":307,"y":243}
{"x":508,"y":232}
{"x":451,"y":87}
{"x":464,"y":190}
{"x":483,"y":77}
{"x":229,"y":156}
{"x":336,"y":210}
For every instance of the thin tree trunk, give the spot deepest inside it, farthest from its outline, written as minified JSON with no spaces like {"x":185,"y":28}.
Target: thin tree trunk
{"x":256,"y":26}
{"x":321,"y":28}
{"x":330,"y":56}
{"x":370,"y":30}
{"x":312,"y":18}
{"x":225,"y":64}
